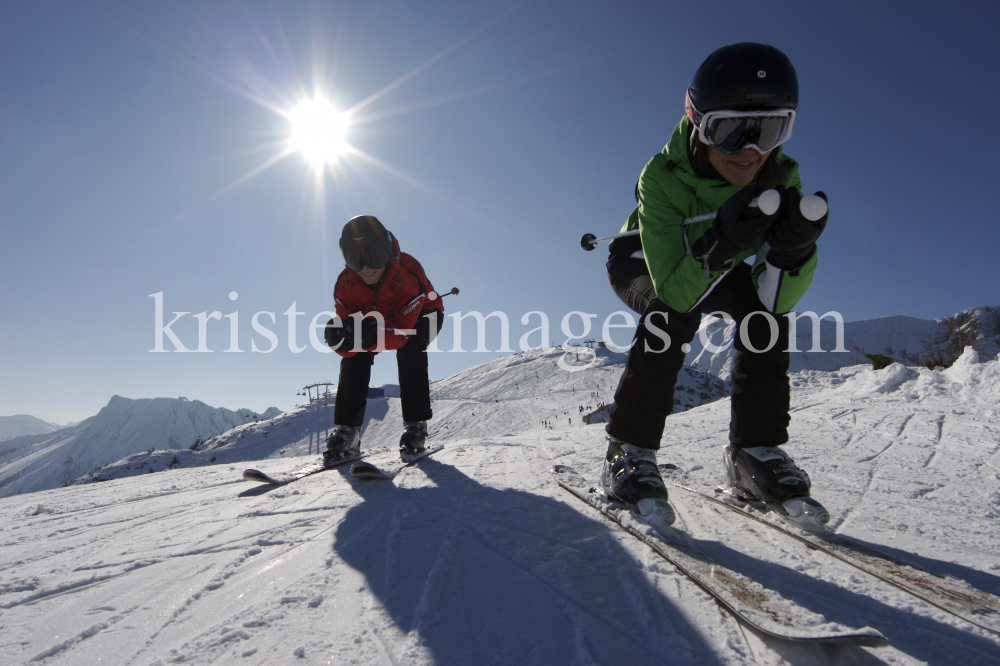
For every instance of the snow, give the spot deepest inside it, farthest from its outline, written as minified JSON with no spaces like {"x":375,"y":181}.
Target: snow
{"x":121,"y":428}
{"x":505,"y":396}
{"x":20,"y":425}
{"x":476,"y":556}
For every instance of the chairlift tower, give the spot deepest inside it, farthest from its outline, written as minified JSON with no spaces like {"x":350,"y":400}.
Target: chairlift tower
{"x":308,"y":391}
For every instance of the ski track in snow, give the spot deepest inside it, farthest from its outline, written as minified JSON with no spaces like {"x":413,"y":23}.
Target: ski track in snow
{"x":476,"y":556}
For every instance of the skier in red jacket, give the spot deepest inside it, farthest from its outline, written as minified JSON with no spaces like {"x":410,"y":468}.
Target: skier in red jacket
{"x":384,"y":302}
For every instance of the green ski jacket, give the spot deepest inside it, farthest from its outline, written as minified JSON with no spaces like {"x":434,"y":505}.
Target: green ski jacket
{"x":668,"y":192}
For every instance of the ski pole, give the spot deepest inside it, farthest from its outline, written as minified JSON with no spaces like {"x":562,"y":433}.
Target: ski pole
{"x":772,"y":200}
{"x":812,"y":208}
{"x":433,"y":295}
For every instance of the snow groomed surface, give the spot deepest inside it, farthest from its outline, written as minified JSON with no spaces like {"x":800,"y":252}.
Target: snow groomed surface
{"x":477,"y":555}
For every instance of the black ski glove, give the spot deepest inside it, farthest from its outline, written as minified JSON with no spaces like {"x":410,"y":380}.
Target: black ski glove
{"x":337,"y":334}
{"x":737,"y":227}
{"x":369,"y":333}
{"x":793,"y":236}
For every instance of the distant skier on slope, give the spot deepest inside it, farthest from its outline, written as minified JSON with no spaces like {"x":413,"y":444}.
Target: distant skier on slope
{"x":724,"y":153}
{"x":380,"y":280}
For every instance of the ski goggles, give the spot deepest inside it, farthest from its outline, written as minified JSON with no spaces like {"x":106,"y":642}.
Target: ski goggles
{"x":358,"y":255}
{"x":734,"y":131}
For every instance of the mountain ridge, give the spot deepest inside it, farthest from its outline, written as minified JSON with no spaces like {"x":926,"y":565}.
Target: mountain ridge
{"x":908,"y":340}
{"x":20,"y":425}
{"x":122,"y":427}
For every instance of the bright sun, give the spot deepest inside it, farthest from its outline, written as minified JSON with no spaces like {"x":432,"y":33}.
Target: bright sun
{"x":318,"y":131}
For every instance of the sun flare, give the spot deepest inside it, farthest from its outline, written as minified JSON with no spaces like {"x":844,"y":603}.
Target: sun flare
{"x":319,"y":131}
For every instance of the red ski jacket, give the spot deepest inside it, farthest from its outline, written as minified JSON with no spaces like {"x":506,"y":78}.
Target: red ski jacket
{"x":400,"y":299}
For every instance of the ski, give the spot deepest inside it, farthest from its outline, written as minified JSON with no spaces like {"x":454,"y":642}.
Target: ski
{"x":366,"y":471}
{"x":303,"y":471}
{"x":748,"y":601}
{"x":951,"y":595}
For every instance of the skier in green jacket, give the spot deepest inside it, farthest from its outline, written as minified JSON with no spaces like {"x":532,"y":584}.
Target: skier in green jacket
{"x":724,"y":155}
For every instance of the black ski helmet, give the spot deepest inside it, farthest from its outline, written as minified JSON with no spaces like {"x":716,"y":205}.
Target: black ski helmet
{"x":365,"y":242}
{"x":744,"y":77}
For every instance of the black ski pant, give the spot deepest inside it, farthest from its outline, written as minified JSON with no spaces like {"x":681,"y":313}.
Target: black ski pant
{"x":414,"y":384}
{"x":645,"y":394}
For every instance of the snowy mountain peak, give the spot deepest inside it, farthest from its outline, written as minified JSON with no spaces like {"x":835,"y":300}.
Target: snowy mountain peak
{"x":509,"y":395}
{"x":20,"y":425}
{"x":123,"y":427}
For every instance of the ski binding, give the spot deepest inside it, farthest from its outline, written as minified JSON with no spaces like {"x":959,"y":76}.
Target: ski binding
{"x":365,"y":471}
{"x":305,"y":470}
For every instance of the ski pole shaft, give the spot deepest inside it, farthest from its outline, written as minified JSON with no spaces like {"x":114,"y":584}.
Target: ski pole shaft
{"x":589,"y":241}
{"x":433,"y":295}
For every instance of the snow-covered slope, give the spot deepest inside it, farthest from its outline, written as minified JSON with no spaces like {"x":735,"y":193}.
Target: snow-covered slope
{"x":20,"y":425}
{"x":905,"y":339}
{"x":508,"y":395}
{"x":476,"y":556}
{"x":121,"y":428}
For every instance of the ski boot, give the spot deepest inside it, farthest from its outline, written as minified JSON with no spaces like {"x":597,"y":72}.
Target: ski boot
{"x":766,"y":475}
{"x":345,"y":442}
{"x":411,"y":444}
{"x":631,"y":476}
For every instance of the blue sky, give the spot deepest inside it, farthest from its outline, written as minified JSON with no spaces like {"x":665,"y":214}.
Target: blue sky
{"x":135,"y":137}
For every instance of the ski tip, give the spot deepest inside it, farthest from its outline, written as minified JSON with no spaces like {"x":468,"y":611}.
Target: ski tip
{"x":368,"y":473}
{"x":423,"y":454}
{"x":568,"y":475}
{"x":254,"y":475}
{"x":866,"y":637}
{"x":565,"y":470}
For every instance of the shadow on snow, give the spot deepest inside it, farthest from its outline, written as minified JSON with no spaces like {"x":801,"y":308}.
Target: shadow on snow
{"x":483,"y":574}
{"x":508,"y":576}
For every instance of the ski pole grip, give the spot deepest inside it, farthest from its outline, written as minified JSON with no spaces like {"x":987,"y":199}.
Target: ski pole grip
{"x":768,"y":202}
{"x":813,"y":208}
